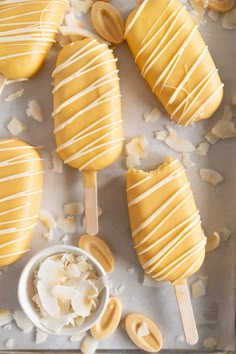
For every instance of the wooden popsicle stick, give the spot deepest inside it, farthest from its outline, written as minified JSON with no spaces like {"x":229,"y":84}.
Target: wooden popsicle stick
{"x":186,"y":312}
{"x":90,"y":202}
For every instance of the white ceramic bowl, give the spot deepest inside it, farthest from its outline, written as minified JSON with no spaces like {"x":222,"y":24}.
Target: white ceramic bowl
{"x":26,"y":291}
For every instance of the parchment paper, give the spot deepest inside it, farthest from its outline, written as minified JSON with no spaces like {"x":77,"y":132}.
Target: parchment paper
{"x":215,"y":312}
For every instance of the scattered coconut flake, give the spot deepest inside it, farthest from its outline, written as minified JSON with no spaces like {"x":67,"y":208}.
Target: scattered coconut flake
{"x":161,"y":135}
{"x":14,"y":96}
{"x":130,"y":269}
{"x":210,"y":176}
{"x":57,"y":163}
{"x":176,"y":143}
{"x":47,"y":219}
{"x":227,"y":113}
{"x":229,"y":20}
{"x":65,"y":239}
{"x":119,"y":289}
{"x":233,"y":100}
{"x":180,"y":338}
{"x":143,"y":330}
{"x":71,"y":20}
{"x":224,"y":129}
{"x":63,"y":41}
{"x":214,"y":15}
{"x":5,"y":317}
{"x":77,"y":337}
{"x":204,"y":279}
{"x":22,"y":321}
{"x":100,"y":211}
{"x":16,"y":127}
{"x":152,"y":116}
{"x":135,"y":151}
{"x":213,"y":242}
{"x":75,"y":208}
{"x":211,"y":138}
{"x":209,"y":343}
{"x":66,"y":224}
{"x":34,"y":110}
{"x":198,"y":289}
{"x":203,"y":149}
{"x":3,"y":82}
{"x":10,"y":343}
{"x":40,"y":336}
{"x":48,"y":235}
{"x":89,"y":345}
{"x":7,"y":327}
{"x":225,"y":234}
{"x":69,"y":30}
{"x":186,"y":160}
{"x":87,"y":4}
{"x":77,"y":6}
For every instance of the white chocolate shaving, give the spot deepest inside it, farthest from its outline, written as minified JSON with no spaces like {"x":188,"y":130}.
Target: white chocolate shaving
{"x":210,"y":176}
{"x":16,"y":127}
{"x":34,"y":110}
{"x":13,"y":96}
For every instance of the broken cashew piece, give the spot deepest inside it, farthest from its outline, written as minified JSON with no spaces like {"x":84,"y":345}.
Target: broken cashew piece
{"x":152,"y":342}
{"x":98,"y":249}
{"x":213,"y":242}
{"x":108,"y":22}
{"x":109,"y":322}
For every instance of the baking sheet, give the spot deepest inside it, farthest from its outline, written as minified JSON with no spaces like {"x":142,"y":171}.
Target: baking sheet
{"x":215,"y":312}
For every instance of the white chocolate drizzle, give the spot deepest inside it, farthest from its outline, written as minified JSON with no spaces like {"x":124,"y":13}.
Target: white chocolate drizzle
{"x":104,"y":130}
{"x":163,"y":246}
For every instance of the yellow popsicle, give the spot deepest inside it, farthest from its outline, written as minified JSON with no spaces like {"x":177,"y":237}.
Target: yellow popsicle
{"x":21,"y":180}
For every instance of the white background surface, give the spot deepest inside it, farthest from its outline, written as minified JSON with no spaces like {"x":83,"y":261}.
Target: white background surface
{"x":214,"y":312}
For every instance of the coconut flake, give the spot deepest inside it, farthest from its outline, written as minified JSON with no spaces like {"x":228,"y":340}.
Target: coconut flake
{"x":47,"y":219}
{"x":152,"y":116}
{"x":186,"y":160}
{"x":225,"y":234}
{"x":65,"y":239}
{"x":49,"y":271}
{"x":40,"y":336}
{"x":227,"y":113}
{"x":211,"y":138}
{"x":203,"y":149}
{"x":87,"y":5}
{"x":210,"y":176}
{"x":49,"y":302}
{"x":209,"y":343}
{"x":214,"y":15}
{"x":89,"y":345}
{"x":69,"y":30}
{"x":233,"y":100}
{"x":119,"y":289}
{"x":135,"y":151}
{"x":13,"y":96}
{"x":66,"y":224}
{"x":10,"y":343}
{"x":75,"y":208}
{"x":3,"y":83}
{"x":224,"y":129}
{"x":204,"y":279}
{"x":229,"y":20}
{"x":57,"y":163}
{"x":180,"y":338}
{"x":198,"y":289}
{"x":7,"y":327}
{"x":34,"y":110}
{"x":143,"y":330}
{"x":161,"y":135}
{"x":133,"y":160}
{"x":148,"y":281}
{"x":5,"y":317}
{"x":130,"y":269}
{"x":16,"y":127}
{"x":22,"y":321}
{"x":176,"y":143}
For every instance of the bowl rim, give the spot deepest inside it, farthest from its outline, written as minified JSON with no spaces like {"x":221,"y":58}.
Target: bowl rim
{"x":27,"y":304}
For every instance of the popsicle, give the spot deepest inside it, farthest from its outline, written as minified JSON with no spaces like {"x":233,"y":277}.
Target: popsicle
{"x":166,"y":230}
{"x":174,"y":60}
{"x":87,"y":115}
{"x":27,"y":32}
{"x":21,"y":179}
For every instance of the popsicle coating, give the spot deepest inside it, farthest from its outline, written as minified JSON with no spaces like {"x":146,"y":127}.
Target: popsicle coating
{"x":87,"y":107}
{"x":21,"y":180}
{"x":165,"y":222}
{"x":27,"y":32}
{"x":174,"y":59}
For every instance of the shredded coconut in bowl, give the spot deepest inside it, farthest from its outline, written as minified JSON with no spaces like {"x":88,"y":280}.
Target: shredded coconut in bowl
{"x":66,"y":291}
